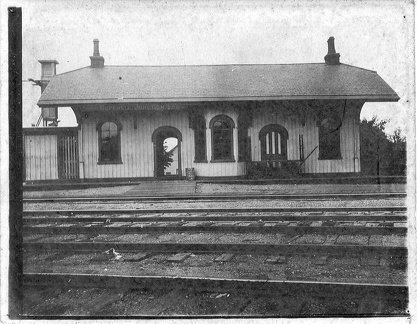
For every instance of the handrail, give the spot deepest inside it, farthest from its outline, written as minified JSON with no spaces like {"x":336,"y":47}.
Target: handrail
{"x":308,"y":156}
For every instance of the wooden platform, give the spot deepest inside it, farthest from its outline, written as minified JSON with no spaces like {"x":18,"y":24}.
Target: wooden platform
{"x":161,"y":188}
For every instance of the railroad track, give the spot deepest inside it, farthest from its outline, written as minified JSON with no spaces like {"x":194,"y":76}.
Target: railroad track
{"x":385,"y":215}
{"x":283,"y":237}
{"x":219,"y":197}
{"x":336,"y":224}
{"x":365,"y":222}
{"x":371,"y":220}
{"x":224,"y":210}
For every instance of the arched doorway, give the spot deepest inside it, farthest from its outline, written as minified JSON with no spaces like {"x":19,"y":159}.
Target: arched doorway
{"x":167,"y":152}
{"x":273,"y":139}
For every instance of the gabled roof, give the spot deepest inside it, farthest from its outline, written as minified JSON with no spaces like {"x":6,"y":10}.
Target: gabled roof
{"x":123,"y":84}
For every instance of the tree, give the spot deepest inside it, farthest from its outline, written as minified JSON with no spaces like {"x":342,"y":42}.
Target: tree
{"x":398,"y":151}
{"x":164,"y":158}
{"x":381,"y":154}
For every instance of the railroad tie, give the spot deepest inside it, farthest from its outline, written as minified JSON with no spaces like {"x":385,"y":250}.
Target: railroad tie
{"x":179,"y":257}
{"x":328,"y":223}
{"x":304,"y":223}
{"x":384,"y":224}
{"x":321,"y":260}
{"x":138,"y":257}
{"x":276,"y":259}
{"x":224,"y":257}
{"x":258,"y":223}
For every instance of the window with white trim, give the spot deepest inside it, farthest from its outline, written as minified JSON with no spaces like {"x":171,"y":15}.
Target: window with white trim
{"x":222,"y":138}
{"x":109,"y":142}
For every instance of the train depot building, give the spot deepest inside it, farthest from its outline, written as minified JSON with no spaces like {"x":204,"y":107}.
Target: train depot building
{"x":234,"y":121}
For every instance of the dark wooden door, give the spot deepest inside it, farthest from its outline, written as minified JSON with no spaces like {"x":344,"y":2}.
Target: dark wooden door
{"x":273,"y":143}
{"x":68,"y":156}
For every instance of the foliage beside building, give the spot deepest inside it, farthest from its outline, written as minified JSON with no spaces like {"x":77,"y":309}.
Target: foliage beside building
{"x":382,"y":154}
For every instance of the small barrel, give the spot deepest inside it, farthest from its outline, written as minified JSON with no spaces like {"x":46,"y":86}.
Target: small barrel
{"x":190,"y":174}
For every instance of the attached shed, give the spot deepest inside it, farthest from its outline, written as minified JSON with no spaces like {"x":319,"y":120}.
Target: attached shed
{"x":50,"y":153}
{"x":229,"y":120}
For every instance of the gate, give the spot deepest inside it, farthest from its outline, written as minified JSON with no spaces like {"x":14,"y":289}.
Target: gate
{"x":68,"y":156}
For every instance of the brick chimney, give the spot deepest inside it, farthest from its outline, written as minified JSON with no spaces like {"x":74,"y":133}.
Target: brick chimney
{"x":48,"y":70}
{"x":332,"y":58}
{"x":97,"y":61}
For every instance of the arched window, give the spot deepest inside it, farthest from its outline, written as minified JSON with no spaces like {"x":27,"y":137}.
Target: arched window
{"x":200,"y":138}
{"x":109,"y":142}
{"x":329,"y":140}
{"x":222,"y":138}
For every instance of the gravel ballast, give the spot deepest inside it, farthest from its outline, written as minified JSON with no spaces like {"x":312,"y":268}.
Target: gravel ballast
{"x":248,"y":203}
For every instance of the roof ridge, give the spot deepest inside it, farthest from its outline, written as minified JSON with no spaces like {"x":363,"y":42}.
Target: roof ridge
{"x":229,"y":64}
{"x":211,"y":65}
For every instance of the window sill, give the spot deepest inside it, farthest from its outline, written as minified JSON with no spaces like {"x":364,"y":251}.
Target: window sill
{"x":335,"y":159}
{"x":109,"y":162}
{"x":222,"y":161}
{"x":200,"y":161}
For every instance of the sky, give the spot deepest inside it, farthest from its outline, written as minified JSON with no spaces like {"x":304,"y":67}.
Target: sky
{"x":372,"y":35}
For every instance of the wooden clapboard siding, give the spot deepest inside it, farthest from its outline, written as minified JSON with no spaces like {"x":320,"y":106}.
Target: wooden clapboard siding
{"x":264,"y":118}
{"x":347,"y":138}
{"x":137,"y":150}
{"x":40,"y":157}
{"x":349,"y":133}
{"x":225,"y":169}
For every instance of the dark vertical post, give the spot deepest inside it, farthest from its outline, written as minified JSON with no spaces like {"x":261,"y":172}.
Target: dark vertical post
{"x":248,"y":149}
{"x":301,"y":146}
{"x":378,"y":163}
{"x":15,"y":162}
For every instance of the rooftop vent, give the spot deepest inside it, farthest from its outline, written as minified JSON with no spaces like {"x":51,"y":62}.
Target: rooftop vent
{"x":97,"y":61}
{"x":332,"y":58}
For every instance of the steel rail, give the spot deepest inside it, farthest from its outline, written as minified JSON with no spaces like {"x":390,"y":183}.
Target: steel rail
{"x":213,"y":210}
{"x":377,"y":195}
{"x":264,"y":287}
{"x":77,"y":247}
{"x":205,"y":217}
{"x":250,"y":228}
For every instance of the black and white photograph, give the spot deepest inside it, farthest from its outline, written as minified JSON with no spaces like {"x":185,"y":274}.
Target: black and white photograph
{"x":221,"y":160}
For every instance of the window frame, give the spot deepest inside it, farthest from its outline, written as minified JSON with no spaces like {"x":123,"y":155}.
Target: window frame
{"x":118,"y":158}
{"x":326,"y":138}
{"x":231,"y":157}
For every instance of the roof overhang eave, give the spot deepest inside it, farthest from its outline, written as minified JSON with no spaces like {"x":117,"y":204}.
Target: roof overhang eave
{"x":70,"y":102}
